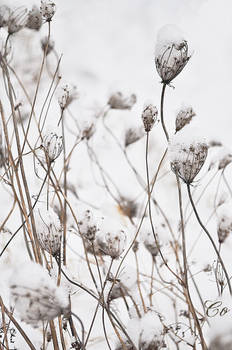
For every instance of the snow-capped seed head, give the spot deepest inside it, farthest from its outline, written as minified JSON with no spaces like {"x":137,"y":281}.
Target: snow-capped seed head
{"x":224,"y":226}
{"x":45,"y":44}
{"x":115,"y":243}
{"x":149,"y":116}
{"x":187,"y":156}
{"x":133,"y":135}
{"x":34,"y":19}
{"x":49,"y":229}
{"x":17,"y":20}
{"x":4,"y":15}
{"x":67,"y":95}
{"x":118,"y":101}
{"x":47,"y":9}
{"x":184,"y":117}
{"x":36,"y":296}
{"x":171,"y":53}
{"x":52,"y":144}
{"x":88,"y":225}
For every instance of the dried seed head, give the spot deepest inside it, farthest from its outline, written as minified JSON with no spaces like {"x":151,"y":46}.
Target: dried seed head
{"x":187,"y":156}
{"x":115,"y":243}
{"x":67,"y":95}
{"x":225,"y":160}
{"x":118,"y":101}
{"x":17,"y":20}
{"x":49,"y":230}
{"x":36,"y":296}
{"x":45,"y":44}
{"x":88,"y":130}
{"x":171,"y":53}
{"x":34,"y":19}
{"x":4,"y":15}
{"x":47,"y":9}
{"x":149,"y":117}
{"x":52,"y":144}
{"x":128,"y":207}
{"x":88,"y":225}
{"x":184,"y":117}
{"x":224,"y":227}
{"x":133,"y":135}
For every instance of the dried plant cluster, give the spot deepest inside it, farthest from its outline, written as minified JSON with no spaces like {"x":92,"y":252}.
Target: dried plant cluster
{"x":104,"y":243}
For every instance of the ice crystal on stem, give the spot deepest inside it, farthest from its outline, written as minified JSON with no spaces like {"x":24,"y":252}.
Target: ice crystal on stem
{"x":118,"y":101}
{"x":52,"y":144}
{"x":149,"y":116}
{"x":171,"y":53}
{"x":187,"y":156}
{"x":49,"y":229}
{"x":36,"y":296}
{"x":47,"y":9}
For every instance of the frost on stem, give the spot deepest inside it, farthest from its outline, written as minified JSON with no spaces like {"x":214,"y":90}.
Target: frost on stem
{"x":34,"y":19}
{"x":171,"y":53}
{"x":149,"y":116}
{"x":49,"y":230}
{"x":184,"y":117}
{"x":133,"y":135}
{"x":47,"y":9}
{"x":224,"y":217}
{"x":4,"y":15}
{"x":187,"y":155}
{"x":67,"y":95}
{"x":36,"y":296}
{"x":118,"y":101}
{"x":52,"y":144}
{"x":45,"y":44}
{"x":17,"y":20}
{"x":114,"y":243}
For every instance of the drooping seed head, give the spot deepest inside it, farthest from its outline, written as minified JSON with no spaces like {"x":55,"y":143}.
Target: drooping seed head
{"x":118,"y":101}
{"x":149,"y":116}
{"x":133,"y":135}
{"x":171,"y":53}
{"x":184,"y":117}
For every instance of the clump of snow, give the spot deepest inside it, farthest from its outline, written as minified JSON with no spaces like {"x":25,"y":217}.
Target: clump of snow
{"x":168,"y":35}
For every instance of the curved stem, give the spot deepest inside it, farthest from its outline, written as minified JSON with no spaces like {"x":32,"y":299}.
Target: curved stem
{"x":210,"y":238}
{"x":162,"y":111}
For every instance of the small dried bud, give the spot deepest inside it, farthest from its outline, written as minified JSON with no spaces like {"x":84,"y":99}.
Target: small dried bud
{"x":17,"y":20}
{"x":184,"y":117}
{"x":115,"y":243}
{"x":52,"y":144}
{"x":224,"y":222}
{"x":187,"y":157}
{"x":118,"y":101}
{"x":36,"y":296}
{"x":49,"y":230}
{"x":227,"y":159}
{"x":128,"y":207}
{"x":34,"y":19}
{"x":135,"y":247}
{"x":171,"y":54}
{"x":47,"y":9}
{"x":88,"y":225}
{"x":88,"y":130}
{"x":67,"y":95}
{"x":133,"y":135}
{"x":215,"y":143}
{"x":149,"y":117}
{"x":45,"y":44}
{"x":4,"y":15}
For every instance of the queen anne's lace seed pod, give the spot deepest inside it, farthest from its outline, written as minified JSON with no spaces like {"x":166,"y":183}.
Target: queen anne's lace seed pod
{"x":171,"y":53}
{"x":88,"y":225}
{"x":67,"y":95}
{"x":4,"y":15}
{"x":224,"y":217}
{"x":17,"y":20}
{"x":184,"y":117}
{"x":47,"y":9}
{"x":49,"y":230}
{"x":34,"y":19}
{"x":118,"y":101}
{"x":149,"y":116}
{"x":52,"y":144}
{"x":35,"y":295}
{"x":133,"y":135}
{"x":115,"y":243}
{"x":187,"y":157}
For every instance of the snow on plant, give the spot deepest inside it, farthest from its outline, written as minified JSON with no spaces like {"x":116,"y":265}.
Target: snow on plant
{"x":4,"y":15}
{"x":52,"y":143}
{"x":49,"y":229}
{"x":187,"y":155}
{"x":34,"y":18}
{"x":171,"y":53}
{"x":47,"y":9}
{"x":184,"y":117}
{"x":149,"y":116}
{"x":88,"y":225}
{"x":35,"y":295}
